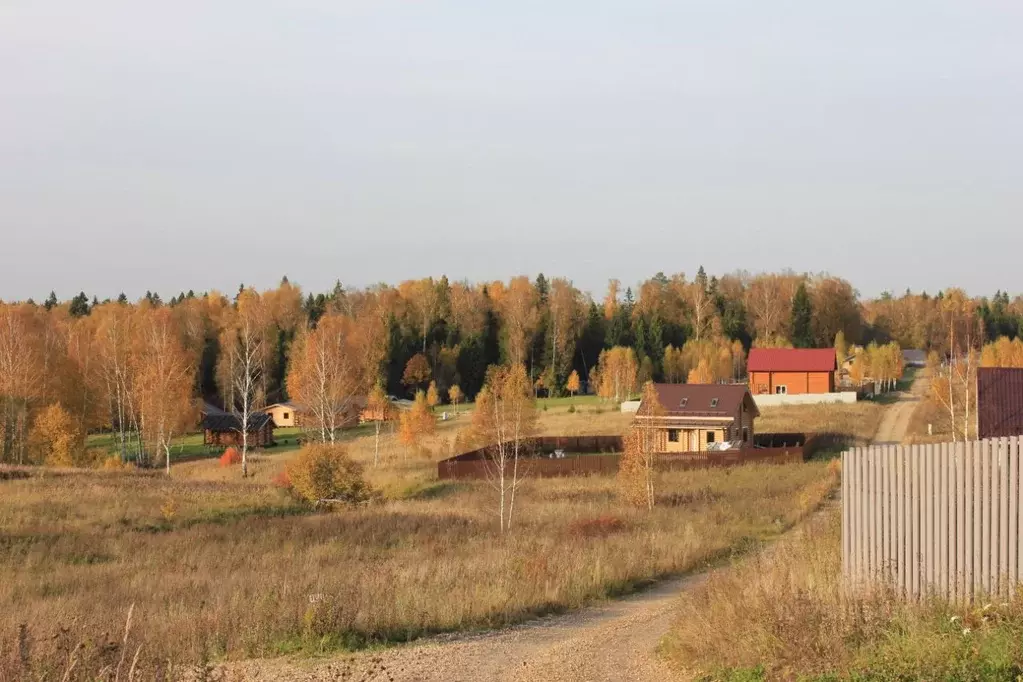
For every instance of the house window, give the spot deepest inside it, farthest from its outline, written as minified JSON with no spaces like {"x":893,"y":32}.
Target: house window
{"x":710,"y":437}
{"x":763,"y":388}
{"x":286,"y":415}
{"x":781,"y":390}
{"x":672,"y":435}
{"x":745,"y":434}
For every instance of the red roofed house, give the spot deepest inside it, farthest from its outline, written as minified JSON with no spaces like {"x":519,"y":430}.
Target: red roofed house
{"x":791,"y":371}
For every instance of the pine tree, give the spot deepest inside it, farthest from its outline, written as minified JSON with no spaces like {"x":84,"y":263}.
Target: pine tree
{"x":802,"y":318}
{"x":51,"y":301}
{"x":122,"y":299}
{"x":79,"y":305}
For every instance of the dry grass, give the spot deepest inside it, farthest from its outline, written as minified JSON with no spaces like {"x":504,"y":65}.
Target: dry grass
{"x":856,"y":423}
{"x":231,"y":569}
{"x":785,"y":615}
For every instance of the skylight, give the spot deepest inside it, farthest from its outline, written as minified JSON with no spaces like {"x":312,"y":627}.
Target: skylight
{"x":683,"y":403}
{"x":713,"y":402}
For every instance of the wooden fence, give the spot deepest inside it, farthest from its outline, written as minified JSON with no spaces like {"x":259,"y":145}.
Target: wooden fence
{"x":475,"y":464}
{"x":941,"y":519}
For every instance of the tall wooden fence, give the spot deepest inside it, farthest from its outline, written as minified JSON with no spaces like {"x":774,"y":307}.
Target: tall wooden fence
{"x":941,"y":519}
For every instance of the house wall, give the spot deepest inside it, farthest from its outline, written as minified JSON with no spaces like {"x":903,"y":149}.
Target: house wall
{"x":795,"y":383}
{"x":283,"y":416}
{"x":692,"y":440}
{"x":257,"y":439}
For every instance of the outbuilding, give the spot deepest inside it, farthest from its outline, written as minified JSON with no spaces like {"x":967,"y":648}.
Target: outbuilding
{"x":791,"y":371}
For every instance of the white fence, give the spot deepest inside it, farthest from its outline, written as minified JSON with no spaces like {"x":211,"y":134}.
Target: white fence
{"x":940,"y":519}
{"x":774,"y":400}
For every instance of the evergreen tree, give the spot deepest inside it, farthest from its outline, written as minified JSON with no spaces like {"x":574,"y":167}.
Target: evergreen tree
{"x":542,"y":288}
{"x":79,"y":305}
{"x":122,"y":299}
{"x":802,"y":318}
{"x":51,"y":301}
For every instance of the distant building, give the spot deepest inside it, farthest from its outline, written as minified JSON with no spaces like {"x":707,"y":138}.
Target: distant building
{"x":999,"y":402}
{"x":285,"y":415}
{"x":225,"y":429}
{"x":914,"y":358}
{"x":791,"y":371}
{"x":699,"y":417}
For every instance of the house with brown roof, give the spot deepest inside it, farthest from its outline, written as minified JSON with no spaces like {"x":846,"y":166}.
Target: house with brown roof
{"x":999,"y":402}
{"x":700,"y":417}
{"x":791,"y":371}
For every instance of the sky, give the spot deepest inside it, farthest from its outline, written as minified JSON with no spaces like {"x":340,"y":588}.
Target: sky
{"x":200,"y":144}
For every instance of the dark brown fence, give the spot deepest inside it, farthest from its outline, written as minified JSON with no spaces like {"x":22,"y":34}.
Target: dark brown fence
{"x":475,"y":464}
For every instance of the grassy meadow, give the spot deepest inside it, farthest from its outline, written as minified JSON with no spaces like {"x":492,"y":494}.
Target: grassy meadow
{"x":215,"y":567}
{"x":784,"y":615}
{"x":852,"y":425}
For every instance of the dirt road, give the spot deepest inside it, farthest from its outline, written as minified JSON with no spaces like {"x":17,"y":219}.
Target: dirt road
{"x":612,"y":642}
{"x":895,"y":423}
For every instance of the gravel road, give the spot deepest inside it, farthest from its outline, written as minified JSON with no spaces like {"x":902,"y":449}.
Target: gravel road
{"x":610,"y":642}
{"x":895,"y":422}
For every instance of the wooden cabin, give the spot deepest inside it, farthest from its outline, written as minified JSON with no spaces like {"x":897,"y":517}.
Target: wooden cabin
{"x":700,"y":417}
{"x":224,"y":430}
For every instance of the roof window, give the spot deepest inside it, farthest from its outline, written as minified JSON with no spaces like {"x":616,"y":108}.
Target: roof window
{"x":683,"y":402}
{"x":713,"y":402}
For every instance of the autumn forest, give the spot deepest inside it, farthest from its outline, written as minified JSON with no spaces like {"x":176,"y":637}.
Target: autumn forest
{"x":140,"y":369}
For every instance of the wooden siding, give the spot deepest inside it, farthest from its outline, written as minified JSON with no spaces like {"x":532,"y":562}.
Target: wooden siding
{"x":795,"y":383}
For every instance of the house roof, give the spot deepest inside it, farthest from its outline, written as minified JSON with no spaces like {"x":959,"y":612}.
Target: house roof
{"x":228,"y":422}
{"x":999,"y":402}
{"x":791,"y":360}
{"x":206,"y":407}
{"x":288,"y":405}
{"x":701,"y":400}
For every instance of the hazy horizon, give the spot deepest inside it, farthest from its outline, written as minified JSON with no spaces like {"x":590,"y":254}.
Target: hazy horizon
{"x":200,"y":145}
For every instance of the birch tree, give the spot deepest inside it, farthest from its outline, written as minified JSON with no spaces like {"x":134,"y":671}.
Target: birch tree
{"x":505,"y":419}
{"x":637,"y":471}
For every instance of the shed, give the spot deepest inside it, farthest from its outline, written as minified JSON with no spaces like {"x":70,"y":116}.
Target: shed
{"x":791,"y":371}
{"x":285,"y":415}
{"x":225,"y":429}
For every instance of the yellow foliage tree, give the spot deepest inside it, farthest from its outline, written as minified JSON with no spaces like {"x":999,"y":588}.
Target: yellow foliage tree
{"x":456,"y":396}
{"x":701,"y":374}
{"x":378,"y":410}
{"x":617,"y":368}
{"x":504,"y":420}
{"x":573,"y":385}
{"x":432,"y":396}
{"x":55,"y":439}
{"x":637,"y":470}
{"x":416,"y":423}
{"x":1002,"y":353}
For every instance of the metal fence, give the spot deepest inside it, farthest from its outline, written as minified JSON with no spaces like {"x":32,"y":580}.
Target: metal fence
{"x":475,"y":464}
{"x":941,"y":519}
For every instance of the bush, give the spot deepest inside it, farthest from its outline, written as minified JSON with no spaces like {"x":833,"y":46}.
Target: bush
{"x":230,"y":457}
{"x":282,"y":480}
{"x":324,"y":473}
{"x":571,"y":409}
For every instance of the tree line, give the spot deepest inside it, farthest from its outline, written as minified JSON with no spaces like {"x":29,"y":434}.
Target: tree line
{"x":136,"y":369}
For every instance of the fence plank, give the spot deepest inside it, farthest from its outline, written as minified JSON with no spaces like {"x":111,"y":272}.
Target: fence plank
{"x":960,"y":498}
{"x":1003,"y":523}
{"x":1014,"y":510}
{"x":943,"y":566}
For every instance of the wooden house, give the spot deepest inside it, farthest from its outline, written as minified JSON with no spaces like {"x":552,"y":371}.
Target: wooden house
{"x":791,"y":371}
{"x":223,"y":430}
{"x":700,"y":417}
{"x":285,"y":415}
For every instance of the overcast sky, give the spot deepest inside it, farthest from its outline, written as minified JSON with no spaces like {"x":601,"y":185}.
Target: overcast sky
{"x":202,"y":143}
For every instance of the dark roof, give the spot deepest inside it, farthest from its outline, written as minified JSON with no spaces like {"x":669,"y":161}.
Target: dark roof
{"x":914,"y":357}
{"x":209,"y":408}
{"x":999,"y":402}
{"x":791,"y":360}
{"x":701,"y":400}
{"x":228,"y":422}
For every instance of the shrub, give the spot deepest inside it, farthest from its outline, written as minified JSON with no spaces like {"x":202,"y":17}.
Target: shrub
{"x":230,"y":457}
{"x":324,"y":473}
{"x":571,"y":409}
